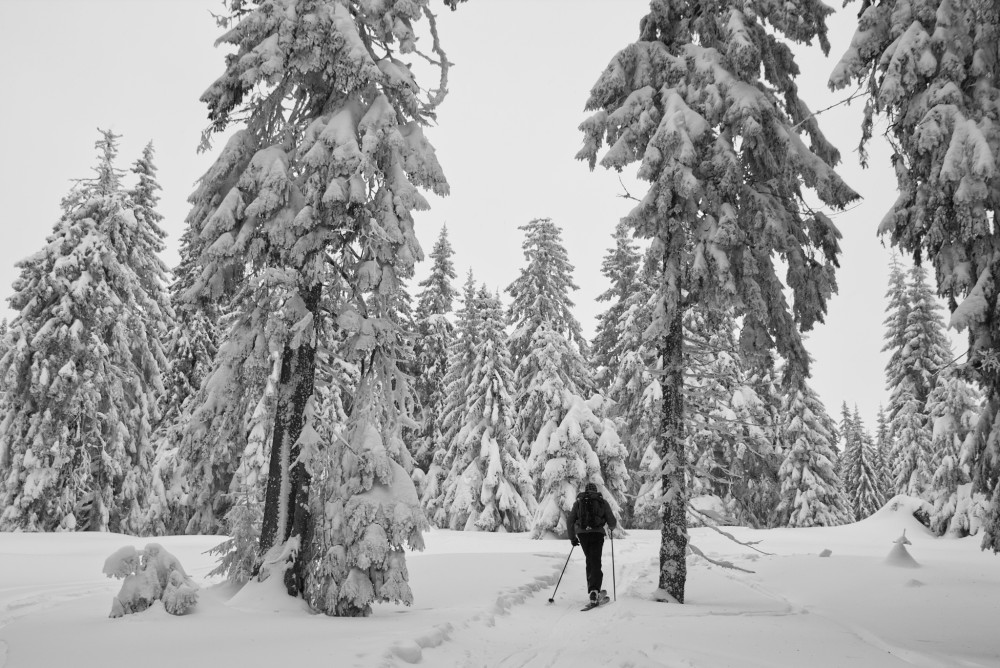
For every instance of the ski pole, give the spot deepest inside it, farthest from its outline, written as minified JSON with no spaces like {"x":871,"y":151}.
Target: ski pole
{"x":614,"y":585}
{"x":553,"y":597}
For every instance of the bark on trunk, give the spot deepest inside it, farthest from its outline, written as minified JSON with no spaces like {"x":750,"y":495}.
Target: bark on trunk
{"x":674,"y":536}
{"x":288,"y":498}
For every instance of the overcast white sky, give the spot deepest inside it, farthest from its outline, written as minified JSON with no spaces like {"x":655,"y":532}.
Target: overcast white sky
{"x":507,"y":135}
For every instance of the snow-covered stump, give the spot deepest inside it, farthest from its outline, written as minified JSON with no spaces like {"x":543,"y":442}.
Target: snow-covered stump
{"x":151,"y":574}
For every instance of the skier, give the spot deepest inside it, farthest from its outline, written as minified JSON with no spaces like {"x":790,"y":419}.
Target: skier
{"x":590,"y":515}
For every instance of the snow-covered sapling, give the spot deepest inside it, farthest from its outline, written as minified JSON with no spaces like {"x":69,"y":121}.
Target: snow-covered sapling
{"x":238,"y":554}
{"x":899,"y":555}
{"x":151,"y":574}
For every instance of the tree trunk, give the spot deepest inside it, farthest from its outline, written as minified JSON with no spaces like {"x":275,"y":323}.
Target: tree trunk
{"x":674,"y":536}
{"x":286,"y":500}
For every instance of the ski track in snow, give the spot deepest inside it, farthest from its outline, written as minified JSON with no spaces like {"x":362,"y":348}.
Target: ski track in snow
{"x":36,"y":598}
{"x":910,"y":656}
{"x":39,"y":597}
{"x":545,"y":635}
{"x":413,"y":651}
{"x":907,"y":655}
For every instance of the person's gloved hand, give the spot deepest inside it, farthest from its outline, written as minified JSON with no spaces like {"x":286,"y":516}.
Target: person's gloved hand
{"x":575,"y":542}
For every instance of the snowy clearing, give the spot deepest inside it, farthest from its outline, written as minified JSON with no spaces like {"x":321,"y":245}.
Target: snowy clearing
{"x":481,"y":600}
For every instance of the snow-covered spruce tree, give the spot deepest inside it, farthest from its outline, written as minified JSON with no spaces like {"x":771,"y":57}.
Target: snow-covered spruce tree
{"x":812,"y":493}
{"x":926,"y":350}
{"x":574,"y":445}
{"x":435,"y":333}
{"x":846,"y":429}
{"x":438,"y":294}
{"x":910,"y":457}
{"x":144,"y":246}
{"x":461,"y":358}
{"x":706,"y":102}
{"x":540,"y":299}
{"x":764,"y":380}
{"x":238,"y":553}
{"x":897,"y":312}
{"x":883,"y":447}
{"x":488,"y":487}
{"x":552,"y":365}
{"x":730,"y":449}
{"x":851,"y":431}
{"x":365,"y":506}
{"x":861,"y":467}
{"x":933,"y":74}
{"x":83,"y":374}
{"x":953,"y":408}
{"x":881,"y":429}
{"x":540,"y":293}
{"x":310,"y":206}
{"x":918,"y":348}
{"x":147,"y":238}
{"x":846,"y":437}
{"x":621,"y":267}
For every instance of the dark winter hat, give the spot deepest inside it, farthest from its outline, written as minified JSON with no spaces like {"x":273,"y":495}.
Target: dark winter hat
{"x":590,"y":487}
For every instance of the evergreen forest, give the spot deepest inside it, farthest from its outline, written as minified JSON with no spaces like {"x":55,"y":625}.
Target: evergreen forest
{"x":290,"y":384}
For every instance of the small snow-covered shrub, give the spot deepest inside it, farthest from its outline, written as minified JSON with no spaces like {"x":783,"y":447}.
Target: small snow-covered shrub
{"x":150,"y":574}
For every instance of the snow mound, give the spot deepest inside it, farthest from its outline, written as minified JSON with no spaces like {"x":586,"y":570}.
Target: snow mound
{"x":268,"y":596}
{"x":412,"y":651}
{"x":902,"y":511}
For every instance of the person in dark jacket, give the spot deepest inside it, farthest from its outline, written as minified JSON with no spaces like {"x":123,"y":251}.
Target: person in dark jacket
{"x":591,"y":539}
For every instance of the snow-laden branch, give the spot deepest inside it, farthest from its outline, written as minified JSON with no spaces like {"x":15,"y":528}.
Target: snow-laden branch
{"x":437,"y":96}
{"x":694,"y":549}
{"x":710,"y":523}
{"x":847,"y":100}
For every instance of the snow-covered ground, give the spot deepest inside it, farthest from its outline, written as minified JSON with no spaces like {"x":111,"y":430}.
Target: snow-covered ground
{"x":481,"y":600}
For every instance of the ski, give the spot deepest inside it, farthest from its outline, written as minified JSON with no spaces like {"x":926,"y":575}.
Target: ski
{"x":590,"y":606}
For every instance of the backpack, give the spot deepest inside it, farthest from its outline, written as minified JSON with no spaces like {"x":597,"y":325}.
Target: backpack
{"x":591,"y":513}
